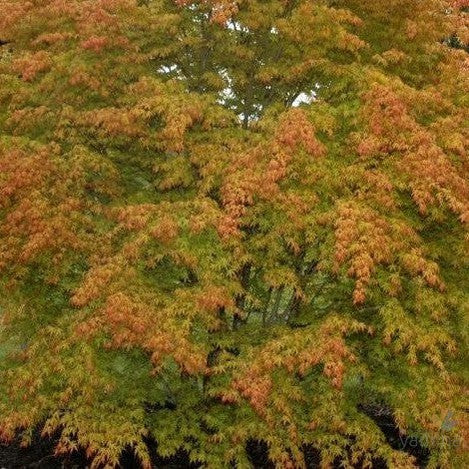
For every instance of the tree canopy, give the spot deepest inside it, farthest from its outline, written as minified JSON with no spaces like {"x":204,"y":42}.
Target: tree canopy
{"x":234,"y":220}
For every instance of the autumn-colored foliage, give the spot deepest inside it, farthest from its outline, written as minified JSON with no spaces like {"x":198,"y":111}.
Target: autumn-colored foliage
{"x":224,"y":221}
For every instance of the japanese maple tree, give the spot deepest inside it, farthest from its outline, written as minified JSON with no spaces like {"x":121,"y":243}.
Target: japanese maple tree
{"x":234,"y":220}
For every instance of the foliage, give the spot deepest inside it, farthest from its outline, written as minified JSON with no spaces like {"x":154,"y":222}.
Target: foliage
{"x":232,"y":220}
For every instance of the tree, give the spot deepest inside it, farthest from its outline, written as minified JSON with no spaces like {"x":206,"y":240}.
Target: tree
{"x":223,"y":221}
